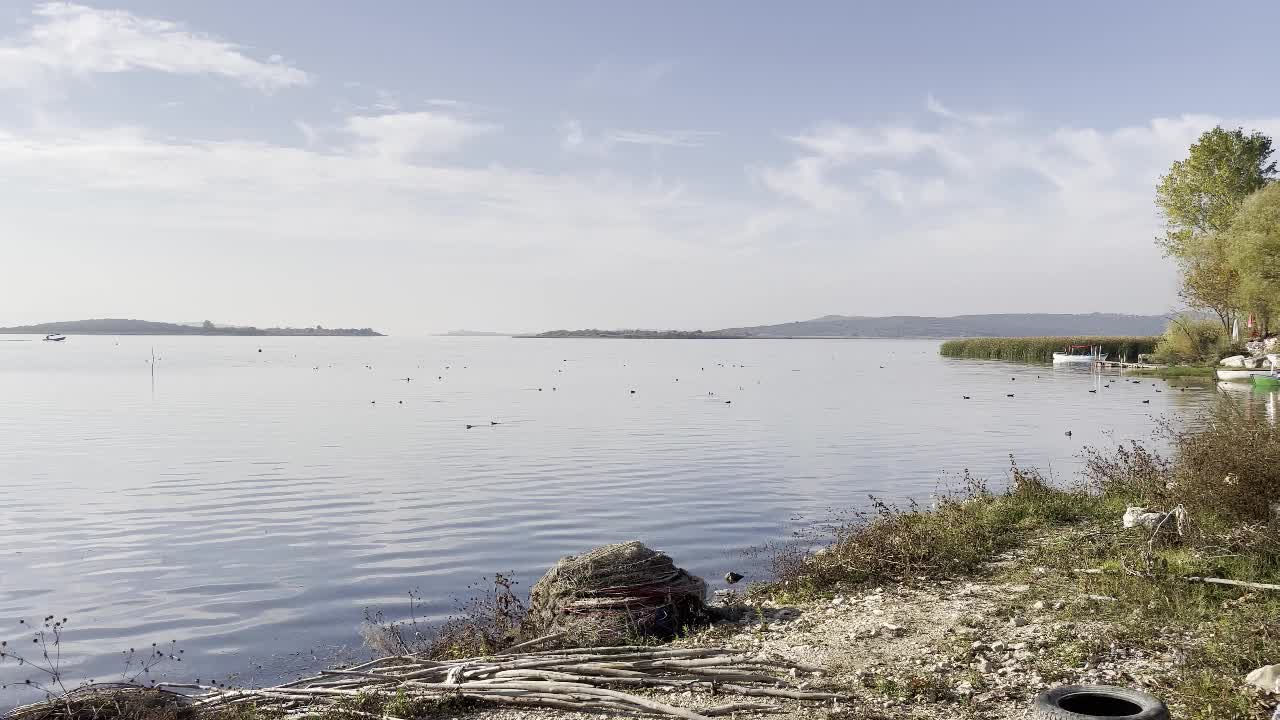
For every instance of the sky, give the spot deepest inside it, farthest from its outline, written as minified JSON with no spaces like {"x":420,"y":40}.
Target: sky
{"x":425,"y":166}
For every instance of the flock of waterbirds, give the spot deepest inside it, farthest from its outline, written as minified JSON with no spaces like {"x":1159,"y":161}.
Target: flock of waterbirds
{"x":712,"y":394}
{"x":494,"y":423}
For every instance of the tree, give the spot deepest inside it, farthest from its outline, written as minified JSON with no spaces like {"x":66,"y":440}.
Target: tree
{"x":1253,"y":248}
{"x":207,"y":325}
{"x":1210,"y":280}
{"x":1200,"y":195}
{"x":1199,"y":198}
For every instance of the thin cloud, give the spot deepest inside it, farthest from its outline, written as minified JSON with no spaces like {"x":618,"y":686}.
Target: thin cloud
{"x":935,"y":106}
{"x":576,"y":140}
{"x":404,"y":135}
{"x":70,"y":40}
{"x":664,"y":138}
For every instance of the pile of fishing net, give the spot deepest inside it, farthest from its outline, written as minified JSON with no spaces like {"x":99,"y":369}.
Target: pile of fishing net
{"x":614,"y":593}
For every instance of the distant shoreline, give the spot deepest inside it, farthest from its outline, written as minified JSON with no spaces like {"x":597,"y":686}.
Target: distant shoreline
{"x":116,"y":326}
{"x":708,"y":336}
{"x":229,"y":333}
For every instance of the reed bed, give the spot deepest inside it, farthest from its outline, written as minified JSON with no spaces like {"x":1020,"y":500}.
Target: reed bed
{"x":1041,"y":349}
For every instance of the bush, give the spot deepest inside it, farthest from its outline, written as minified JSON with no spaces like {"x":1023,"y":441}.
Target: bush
{"x":964,"y":529}
{"x":1189,"y":340}
{"x":1225,"y":473}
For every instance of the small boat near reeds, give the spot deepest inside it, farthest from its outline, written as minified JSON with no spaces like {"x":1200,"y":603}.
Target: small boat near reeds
{"x":55,"y":337}
{"x":1241,"y":374}
{"x":1248,"y":374}
{"x":1083,"y":354}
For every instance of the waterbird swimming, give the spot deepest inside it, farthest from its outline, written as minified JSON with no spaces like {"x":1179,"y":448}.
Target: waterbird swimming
{"x":732,"y":577}
{"x":1009,"y":395}
{"x":1067,"y":433}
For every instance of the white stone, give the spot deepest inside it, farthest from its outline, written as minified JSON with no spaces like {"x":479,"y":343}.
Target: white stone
{"x":984,"y":665}
{"x":1039,"y":605}
{"x":1265,"y":678}
{"x":894,"y":629}
{"x":1141,"y":517}
{"x":1235,"y":361}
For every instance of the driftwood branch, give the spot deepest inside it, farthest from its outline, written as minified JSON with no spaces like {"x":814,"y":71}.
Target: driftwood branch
{"x":581,"y":679}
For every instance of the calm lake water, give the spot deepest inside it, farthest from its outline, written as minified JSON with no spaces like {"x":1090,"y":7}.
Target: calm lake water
{"x":251,"y":497}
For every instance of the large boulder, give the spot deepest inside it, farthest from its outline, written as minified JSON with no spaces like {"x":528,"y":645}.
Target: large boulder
{"x":616,"y":593}
{"x":1235,"y":361}
{"x":1266,"y":678}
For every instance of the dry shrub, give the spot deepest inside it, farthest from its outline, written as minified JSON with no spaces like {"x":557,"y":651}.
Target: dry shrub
{"x":1225,"y":472}
{"x":963,"y":530}
{"x":110,"y":704}
{"x":486,"y":623}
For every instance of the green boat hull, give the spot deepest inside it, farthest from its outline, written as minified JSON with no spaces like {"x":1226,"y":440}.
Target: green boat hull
{"x":1266,"y":381}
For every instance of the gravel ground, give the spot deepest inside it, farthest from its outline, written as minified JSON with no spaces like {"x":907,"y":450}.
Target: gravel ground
{"x":940,"y":651}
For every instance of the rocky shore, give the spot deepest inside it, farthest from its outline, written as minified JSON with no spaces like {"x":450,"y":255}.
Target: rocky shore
{"x":959,"y":649}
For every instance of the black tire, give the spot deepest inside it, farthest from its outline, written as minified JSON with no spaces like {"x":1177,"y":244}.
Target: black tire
{"x":1097,"y":702}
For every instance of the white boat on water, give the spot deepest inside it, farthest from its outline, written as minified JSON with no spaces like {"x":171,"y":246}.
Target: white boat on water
{"x":1091,"y":354}
{"x":1241,"y":373}
{"x":1247,"y":374}
{"x":55,"y":337}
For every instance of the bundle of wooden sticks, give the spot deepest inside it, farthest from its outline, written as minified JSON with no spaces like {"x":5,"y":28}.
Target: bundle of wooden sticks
{"x":597,"y":679}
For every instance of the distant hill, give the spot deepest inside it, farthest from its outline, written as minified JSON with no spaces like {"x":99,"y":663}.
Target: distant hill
{"x":1001,"y":325}
{"x":639,"y":334}
{"x":908,"y":326}
{"x":144,"y":327}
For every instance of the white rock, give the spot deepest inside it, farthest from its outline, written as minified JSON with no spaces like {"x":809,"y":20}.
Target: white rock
{"x":877,"y":612}
{"x":1235,"y":361}
{"x":894,"y":629}
{"x":984,"y":665}
{"x":1039,"y":605}
{"x":1141,"y":517}
{"x":1265,"y":678}
{"x":997,"y":646}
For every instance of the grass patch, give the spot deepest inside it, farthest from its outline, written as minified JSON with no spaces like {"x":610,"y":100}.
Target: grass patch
{"x":957,"y":536}
{"x":1041,"y":349}
{"x":1224,"y":474}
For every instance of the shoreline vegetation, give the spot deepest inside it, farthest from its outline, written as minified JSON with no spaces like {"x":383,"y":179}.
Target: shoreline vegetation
{"x":144,"y":327}
{"x":1153,"y":350}
{"x":1041,"y":349}
{"x":971,"y":604}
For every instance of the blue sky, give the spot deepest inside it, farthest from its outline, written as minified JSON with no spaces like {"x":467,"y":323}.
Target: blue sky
{"x":424,"y":166}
